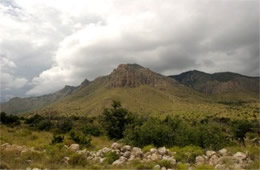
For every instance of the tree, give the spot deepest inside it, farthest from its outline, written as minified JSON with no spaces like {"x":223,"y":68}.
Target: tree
{"x":240,"y":128}
{"x":115,"y":120}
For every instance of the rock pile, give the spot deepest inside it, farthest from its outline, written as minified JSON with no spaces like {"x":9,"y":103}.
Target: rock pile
{"x":224,"y":160}
{"x":17,"y":148}
{"x":127,"y":153}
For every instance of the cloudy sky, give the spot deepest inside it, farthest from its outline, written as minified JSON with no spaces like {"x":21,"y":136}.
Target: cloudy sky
{"x":46,"y":44}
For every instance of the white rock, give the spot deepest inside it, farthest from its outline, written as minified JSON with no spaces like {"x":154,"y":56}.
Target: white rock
{"x":223,"y":152}
{"x":163,"y":168}
{"x":155,"y":157}
{"x":213,"y":160}
{"x":162,"y":150}
{"x":84,"y":151}
{"x":200,"y":160}
{"x":153,"y":150}
{"x":74,"y":147}
{"x":137,"y":152}
{"x":240,"y":155}
{"x":127,"y":154}
{"x":116,"y":146}
{"x":118,"y":162}
{"x":102,"y":160}
{"x":126,"y":148}
{"x":157,"y":167}
{"x":210,"y":153}
{"x":36,"y":169}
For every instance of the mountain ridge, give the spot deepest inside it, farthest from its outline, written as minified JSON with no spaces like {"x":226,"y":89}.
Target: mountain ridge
{"x":136,"y":86}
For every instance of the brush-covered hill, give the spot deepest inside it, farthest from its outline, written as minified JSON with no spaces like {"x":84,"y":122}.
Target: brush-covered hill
{"x":18,"y":105}
{"x":139,"y":89}
{"x":226,"y":84}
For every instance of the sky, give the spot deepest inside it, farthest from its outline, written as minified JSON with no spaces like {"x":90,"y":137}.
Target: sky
{"x":47,"y":44}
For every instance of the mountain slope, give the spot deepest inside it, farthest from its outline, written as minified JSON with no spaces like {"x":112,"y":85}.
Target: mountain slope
{"x":226,"y":84}
{"x":18,"y":105}
{"x":139,"y":89}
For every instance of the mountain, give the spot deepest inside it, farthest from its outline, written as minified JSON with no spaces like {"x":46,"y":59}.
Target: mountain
{"x":225,"y":84}
{"x":139,"y":89}
{"x":143,"y":91}
{"x":18,"y":105}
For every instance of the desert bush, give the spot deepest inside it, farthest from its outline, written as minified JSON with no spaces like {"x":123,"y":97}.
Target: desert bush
{"x":115,"y":120}
{"x":147,"y":148}
{"x":187,"y":154}
{"x":44,"y":125}
{"x":91,"y":129}
{"x":147,"y":165}
{"x":57,"y":139}
{"x":34,"y":120}
{"x":9,"y":119}
{"x":78,"y":160}
{"x":151,"y":132}
{"x":165,"y":163}
{"x":80,"y":138}
{"x":111,"y":157}
{"x":64,"y":125}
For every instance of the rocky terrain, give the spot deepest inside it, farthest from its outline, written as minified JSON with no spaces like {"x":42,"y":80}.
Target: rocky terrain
{"x":221,"y":160}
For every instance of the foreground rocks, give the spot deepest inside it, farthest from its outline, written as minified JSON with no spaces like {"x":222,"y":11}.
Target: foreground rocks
{"x":224,"y":160}
{"x":221,"y":160}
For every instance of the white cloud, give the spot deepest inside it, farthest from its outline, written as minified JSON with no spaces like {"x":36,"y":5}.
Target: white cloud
{"x":64,"y":42}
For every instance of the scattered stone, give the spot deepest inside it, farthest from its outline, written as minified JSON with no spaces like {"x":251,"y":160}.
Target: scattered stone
{"x":127,"y":154}
{"x":155,"y":156}
{"x":223,"y":152}
{"x":199,"y":160}
{"x":126,"y":148}
{"x":162,"y":150}
{"x":74,"y":147}
{"x":157,"y":167}
{"x":84,"y":151}
{"x":240,"y":156}
{"x":163,"y":168}
{"x":213,"y":160}
{"x":153,"y":150}
{"x":116,"y":146}
{"x":36,"y":169}
{"x":118,"y":162}
{"x":210,"y":153}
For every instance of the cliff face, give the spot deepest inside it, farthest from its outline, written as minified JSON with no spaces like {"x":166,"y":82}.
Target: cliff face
{"x":133,"y":75}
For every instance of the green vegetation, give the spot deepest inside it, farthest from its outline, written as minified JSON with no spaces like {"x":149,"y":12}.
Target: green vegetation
{"x":187,"y":153}
{"x":111,"y":157}
{"x":188,"y":138}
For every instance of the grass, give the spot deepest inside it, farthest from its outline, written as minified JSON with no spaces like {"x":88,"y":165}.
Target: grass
{"x":22,"y":136}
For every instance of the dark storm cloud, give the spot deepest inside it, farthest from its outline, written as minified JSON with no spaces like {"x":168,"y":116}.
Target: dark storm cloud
{"x":85,"y":39}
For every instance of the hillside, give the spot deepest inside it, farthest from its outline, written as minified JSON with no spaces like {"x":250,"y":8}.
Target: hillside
{"x":225,"y":84}
{"x":18,"y":105}
{"x":145,"y":92}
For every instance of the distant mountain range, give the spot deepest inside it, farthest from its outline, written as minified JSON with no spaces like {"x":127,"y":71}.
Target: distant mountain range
{"x":144,"y":91}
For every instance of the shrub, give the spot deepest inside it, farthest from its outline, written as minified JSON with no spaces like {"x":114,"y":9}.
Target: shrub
{"x":147,"y":148}
{"x":64,"y":125}
{"x":44,"y":125}
{"x":80,"y":138}
{"x":147,"y":165}
{"x":151,"y":132}
{"x":34,"y":120}
{"x":9,"y":119}
{"x":111,"y":157}
{"x":57,"y":139}
{"x":240,"y":128}
{"x":115,"y":120}
{"x":165,"y":163}
{"x":91,"y":129}
{"x":78,"y":159}
{"x":187,"y":154}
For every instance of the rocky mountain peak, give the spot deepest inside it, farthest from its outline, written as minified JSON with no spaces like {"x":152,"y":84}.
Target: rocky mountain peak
{"x":134,"y":75}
